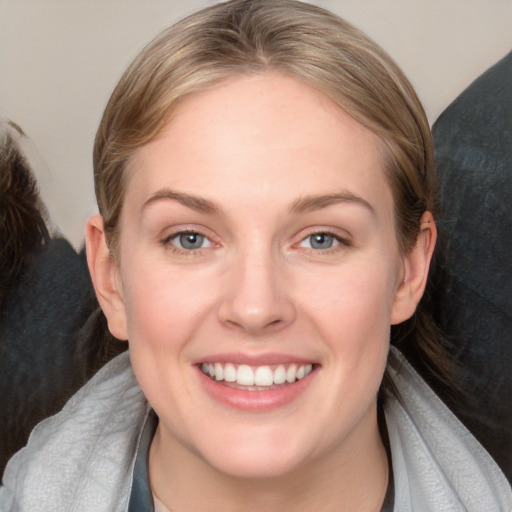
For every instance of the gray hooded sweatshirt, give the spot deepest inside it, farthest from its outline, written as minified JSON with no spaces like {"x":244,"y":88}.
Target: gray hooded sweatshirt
{"x":82,"y":459}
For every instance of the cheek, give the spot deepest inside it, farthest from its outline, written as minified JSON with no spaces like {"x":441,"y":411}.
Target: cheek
{"x":164,"y":306}
{"x":164,"y":311}
{"x":353,"y":301}
{"x":352,"y":312}
{"x":148,"y":317}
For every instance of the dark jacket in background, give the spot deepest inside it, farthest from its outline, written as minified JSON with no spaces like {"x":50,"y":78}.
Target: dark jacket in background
{"x":53,"y":338}
{"x":473,"y":296}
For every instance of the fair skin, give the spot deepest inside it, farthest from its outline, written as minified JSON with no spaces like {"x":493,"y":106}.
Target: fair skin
{"x":258,"y":230}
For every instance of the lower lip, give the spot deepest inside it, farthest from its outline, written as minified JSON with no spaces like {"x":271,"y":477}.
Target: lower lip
{"x":255,"y":401}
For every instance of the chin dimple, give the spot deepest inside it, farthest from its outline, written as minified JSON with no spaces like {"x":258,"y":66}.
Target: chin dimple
{"x":261,"y":376}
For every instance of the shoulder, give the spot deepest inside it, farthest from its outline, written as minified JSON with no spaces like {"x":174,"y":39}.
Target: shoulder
{"x":437,"y":463}
{"x":81,"y":458}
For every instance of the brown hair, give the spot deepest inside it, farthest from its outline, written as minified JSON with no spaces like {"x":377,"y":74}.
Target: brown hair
{"x":23,"y":217}
{"x":302,"y":41}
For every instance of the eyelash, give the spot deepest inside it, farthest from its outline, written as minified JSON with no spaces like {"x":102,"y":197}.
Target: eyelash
{"x":341,"y":242}
{"x":167,"y":242}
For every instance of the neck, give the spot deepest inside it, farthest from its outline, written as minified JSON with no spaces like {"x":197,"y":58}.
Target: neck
{"x":352,"y":477}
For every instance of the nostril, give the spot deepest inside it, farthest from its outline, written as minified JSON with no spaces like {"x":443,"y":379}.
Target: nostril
{"x":254,"y":301}
{"x":254,"y":325}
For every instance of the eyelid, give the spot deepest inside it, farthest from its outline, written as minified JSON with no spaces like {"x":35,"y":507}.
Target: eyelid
{"x":335,"y":239}
{"x":344,"y":240}
{"x":166,"y":239}
{"x":179,"y":234}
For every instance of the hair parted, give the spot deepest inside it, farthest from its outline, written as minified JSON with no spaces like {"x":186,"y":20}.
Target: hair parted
{"x":302,"y":41}
{"x":254,"y":36}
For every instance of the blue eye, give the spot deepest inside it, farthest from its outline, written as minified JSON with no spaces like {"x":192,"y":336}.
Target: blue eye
{"x":320,"y":241}
{"x":190,"y":241}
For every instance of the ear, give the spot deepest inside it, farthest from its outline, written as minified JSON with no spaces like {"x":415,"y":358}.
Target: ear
{"x":415,"y":271}
{"x":105,"y":277}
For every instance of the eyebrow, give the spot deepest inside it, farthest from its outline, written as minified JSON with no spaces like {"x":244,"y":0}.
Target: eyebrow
{"x":198,"y":204}
{"x":301,"y":205}
{"x":317,"y":202}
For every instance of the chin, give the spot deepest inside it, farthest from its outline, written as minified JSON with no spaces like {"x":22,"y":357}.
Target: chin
{"x":257,"y":468}
{"x":257,"y":457}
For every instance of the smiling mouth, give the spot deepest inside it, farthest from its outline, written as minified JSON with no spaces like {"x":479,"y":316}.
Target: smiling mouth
{"x":256,"y":378}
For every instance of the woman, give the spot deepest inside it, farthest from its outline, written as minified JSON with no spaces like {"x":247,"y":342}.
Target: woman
{"x":264,"y":175}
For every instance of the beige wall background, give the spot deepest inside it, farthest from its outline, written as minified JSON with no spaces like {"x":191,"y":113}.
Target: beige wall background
{"x":60,"y":59}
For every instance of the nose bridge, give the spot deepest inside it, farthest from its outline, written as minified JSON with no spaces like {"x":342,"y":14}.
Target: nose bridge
{"x":255,"y":297}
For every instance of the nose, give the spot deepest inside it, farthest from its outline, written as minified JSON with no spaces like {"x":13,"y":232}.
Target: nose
{"x":256,"y":298}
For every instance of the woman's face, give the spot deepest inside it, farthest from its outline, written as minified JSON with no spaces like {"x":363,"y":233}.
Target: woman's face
{"x":258,"y":243}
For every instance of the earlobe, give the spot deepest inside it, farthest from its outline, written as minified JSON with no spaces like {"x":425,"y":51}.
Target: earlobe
{"x":105,"y":277}
{"x":416,"y":266}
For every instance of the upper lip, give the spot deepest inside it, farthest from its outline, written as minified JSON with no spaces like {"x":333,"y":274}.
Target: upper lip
{"x":254,"y":359}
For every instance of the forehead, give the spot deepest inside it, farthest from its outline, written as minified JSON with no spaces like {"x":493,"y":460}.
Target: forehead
{"x":268,"y":135}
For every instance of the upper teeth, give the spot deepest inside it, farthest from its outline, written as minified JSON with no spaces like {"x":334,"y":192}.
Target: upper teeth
{"x":246,"y":375}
